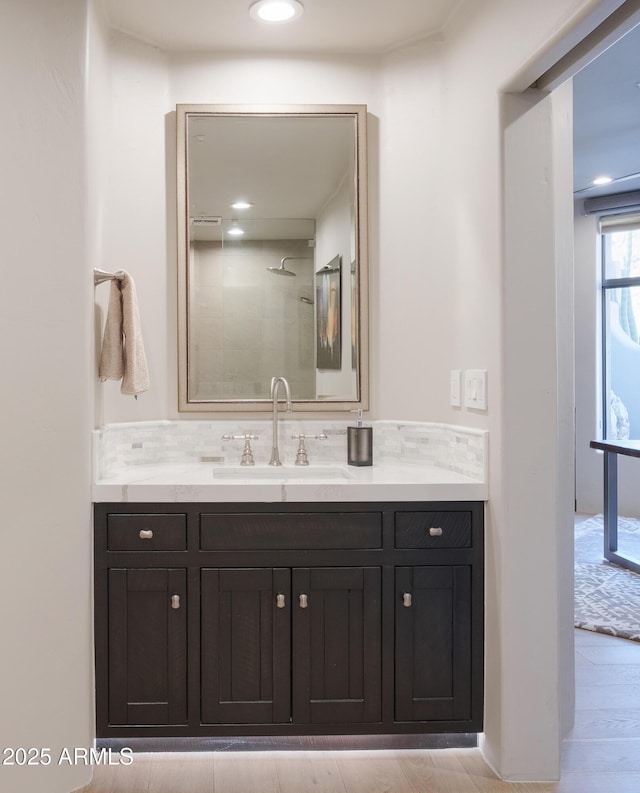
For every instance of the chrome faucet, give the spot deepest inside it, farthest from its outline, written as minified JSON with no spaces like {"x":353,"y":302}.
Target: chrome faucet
{"x":275,"y":385}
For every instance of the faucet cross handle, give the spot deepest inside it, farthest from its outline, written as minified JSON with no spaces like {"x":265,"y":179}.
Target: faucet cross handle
{"x":302,"y":457}
{"x":247,"y":452}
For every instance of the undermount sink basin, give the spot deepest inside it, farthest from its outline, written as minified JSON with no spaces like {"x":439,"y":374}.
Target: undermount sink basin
{"x":282,"y":472}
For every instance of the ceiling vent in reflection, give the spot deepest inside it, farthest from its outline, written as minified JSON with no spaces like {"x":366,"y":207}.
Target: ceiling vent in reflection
{"x":206,"y":221}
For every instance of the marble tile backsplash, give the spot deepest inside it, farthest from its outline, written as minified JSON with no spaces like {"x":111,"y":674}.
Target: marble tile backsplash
{"x":457,"y":449}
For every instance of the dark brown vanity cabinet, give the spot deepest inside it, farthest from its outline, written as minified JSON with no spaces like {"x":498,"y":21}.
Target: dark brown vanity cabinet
{"x":147,"y":648}
{"x":245,"y":646}
{"x":336,"y":658}
{"x":433,"y":643}
{"x":290,"y":619}
{"x":435,"y":611}
{"x":141,"y":607}
{"x":284,"y":646}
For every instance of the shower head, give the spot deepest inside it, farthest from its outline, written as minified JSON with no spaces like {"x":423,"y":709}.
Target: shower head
{"x":281,"y":270}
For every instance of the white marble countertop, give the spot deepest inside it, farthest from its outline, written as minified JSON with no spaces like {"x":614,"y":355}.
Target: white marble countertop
{"x":210,"y":482}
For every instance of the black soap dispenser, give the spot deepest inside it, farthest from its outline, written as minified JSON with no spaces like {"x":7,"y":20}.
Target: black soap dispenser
{"x":359,"y":443}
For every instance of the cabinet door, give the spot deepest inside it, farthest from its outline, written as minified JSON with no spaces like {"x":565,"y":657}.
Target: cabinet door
{"x":336,"y":645}
{"x":433,"y":643}
{"x":147,"y":647}
{"x":246,"y":646}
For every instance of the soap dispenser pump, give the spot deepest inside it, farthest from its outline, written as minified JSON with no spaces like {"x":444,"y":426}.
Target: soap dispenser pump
{"x":359,"y":443}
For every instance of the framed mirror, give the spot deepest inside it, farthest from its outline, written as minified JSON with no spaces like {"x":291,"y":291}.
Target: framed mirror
{"x":272,"y":256}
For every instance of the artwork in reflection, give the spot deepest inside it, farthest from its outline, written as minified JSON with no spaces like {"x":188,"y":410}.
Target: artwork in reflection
{"x":328,"y":315}
{"x":354,"y":324}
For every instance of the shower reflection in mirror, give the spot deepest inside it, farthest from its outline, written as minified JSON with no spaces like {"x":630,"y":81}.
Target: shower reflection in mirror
{"x":246,"y":324}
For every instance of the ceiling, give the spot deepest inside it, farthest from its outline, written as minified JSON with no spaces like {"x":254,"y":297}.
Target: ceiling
{"x":606,"y":119}
{"x":606,"y":92}
{"x":327,"y":26}
{"x":288,"y":167}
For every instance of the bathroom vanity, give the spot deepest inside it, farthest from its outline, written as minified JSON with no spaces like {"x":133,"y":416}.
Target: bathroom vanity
{"x":218,"y":619}
{"x":329,"y":601}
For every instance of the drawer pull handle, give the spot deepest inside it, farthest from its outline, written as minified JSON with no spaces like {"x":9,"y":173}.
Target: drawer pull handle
{"x":280,"y":601}
{"x":146,"y":534}
{"x":175,"y":601}
{"x":406,"y":600}
{"x":435,"y":531}
{"x":304,"y":602}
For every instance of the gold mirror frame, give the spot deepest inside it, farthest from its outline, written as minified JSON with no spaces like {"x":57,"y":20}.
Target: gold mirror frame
{"x":359,"y":115}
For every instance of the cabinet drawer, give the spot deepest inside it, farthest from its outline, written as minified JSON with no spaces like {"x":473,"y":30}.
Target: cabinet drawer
{"x":147,"y":532}
{"x":290,"y":531}
{"x":433,"y":529}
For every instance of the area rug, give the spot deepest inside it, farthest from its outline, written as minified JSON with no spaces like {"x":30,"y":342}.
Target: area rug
{"x":607,"y":597}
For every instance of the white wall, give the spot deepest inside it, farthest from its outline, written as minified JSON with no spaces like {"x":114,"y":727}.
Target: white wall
{"x":139,"y":197}
{"x":412,"y":294}
{"x":45,"y":469}
{"x":534,"y":557}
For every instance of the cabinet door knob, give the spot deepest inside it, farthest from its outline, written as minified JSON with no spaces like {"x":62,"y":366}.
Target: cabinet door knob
{"x":303,"y":601}
{"x":175,"y":601}
{"x":406,"y":600}
{"x":435,"y":531}
{"x":146,"y":534}
{"x":280,"y":601}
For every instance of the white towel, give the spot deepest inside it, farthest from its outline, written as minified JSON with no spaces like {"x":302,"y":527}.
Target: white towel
{"x":123,"y":355}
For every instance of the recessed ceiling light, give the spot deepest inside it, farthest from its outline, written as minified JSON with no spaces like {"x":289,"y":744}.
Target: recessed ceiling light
{"x":602,"y":180}
{"x":235,"y":230}
{"x":276,"y":10}
{"x":241,"y":205}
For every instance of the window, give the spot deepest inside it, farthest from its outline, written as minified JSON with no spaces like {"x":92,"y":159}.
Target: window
{"x":621,"y":325}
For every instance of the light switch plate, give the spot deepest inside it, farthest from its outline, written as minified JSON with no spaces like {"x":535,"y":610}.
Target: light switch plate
{"x":455,"y":389}
{"x":475,"y":389}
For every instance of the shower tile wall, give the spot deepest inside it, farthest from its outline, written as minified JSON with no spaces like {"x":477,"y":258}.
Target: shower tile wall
{"x":249,"y":324}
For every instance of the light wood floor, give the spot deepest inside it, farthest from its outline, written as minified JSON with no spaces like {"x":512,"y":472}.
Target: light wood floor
{"x":602,"y":754}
